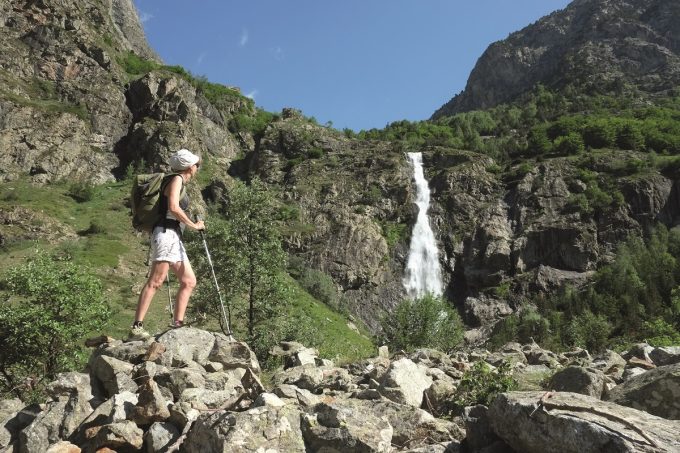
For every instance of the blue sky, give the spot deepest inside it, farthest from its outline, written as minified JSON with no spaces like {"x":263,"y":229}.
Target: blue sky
{"x":358,"y":63}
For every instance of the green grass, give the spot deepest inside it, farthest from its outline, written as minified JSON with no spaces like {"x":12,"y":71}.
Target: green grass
{"x":332,"y":336}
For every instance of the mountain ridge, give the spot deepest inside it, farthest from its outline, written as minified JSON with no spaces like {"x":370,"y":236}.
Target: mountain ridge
{"x":610,"y":46}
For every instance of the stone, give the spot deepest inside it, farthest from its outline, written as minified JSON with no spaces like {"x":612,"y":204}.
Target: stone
{"x":233,"y":354}
{"x":159,"y":436}
{"x":44,"y":430}
{"x":265,"y":429}
{"x":439,"y":395}
{"x":8,"y":420}
{"x":187,"y":345}
{"x":479,"y":434}
{"x":63,"y":447}
{"x":577,"y":423}
{"x":336,"y":428}
{"x":635,"y":362}
{"x":268,"y":399}
{"x":640,"y":350}
{"x":123,"y":435}
{"x":656,"y":391}
{"x":586,"y":381}
{"x":307,"y":377}
{"x":609,"y":362}
{"x":115,"y":375}
{"x":116,"y":409}
{"x":384,"y":352}
{"x":632,"y":372}
{"x":669,"y":355}
{"x":404,"y":382}
{"x":151,"y":405}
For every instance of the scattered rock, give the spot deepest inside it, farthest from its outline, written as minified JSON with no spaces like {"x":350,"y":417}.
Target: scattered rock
{"x":656,"y":391}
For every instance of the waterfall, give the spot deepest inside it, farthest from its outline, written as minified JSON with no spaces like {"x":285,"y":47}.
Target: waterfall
{"x":423,"y":274}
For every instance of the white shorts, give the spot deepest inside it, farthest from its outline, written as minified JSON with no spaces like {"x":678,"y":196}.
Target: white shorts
{"x":167,"y":246}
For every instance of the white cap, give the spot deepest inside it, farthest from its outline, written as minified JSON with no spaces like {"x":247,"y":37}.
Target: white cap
{"x":183,"y":159}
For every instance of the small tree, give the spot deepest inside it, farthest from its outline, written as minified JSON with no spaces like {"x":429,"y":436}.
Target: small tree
{"x":54,"y":304}
{"x":249,"y":264}
{"x":424,"y":322}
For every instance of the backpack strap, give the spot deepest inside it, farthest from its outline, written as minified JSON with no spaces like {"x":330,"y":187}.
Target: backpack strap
{"x":163,"y":207}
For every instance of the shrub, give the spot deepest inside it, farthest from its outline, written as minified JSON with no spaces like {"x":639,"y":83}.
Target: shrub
{"x":599,"y":133}
{"x":587,"y":331}
{"x":630,"y":136}
{"x":538,"y":142}
{"x":424,"y":322}
{"x":81,"y":191}
{"x":569,"y":144}
{"x":58,"y":303}
{"x":481,"y":384}
{"x":136,"y":65}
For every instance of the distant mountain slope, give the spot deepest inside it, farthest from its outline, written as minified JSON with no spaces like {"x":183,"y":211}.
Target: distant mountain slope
{"x":592,"y":46}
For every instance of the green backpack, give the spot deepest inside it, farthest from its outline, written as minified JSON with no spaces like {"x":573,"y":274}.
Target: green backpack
{"x":145,"y":200}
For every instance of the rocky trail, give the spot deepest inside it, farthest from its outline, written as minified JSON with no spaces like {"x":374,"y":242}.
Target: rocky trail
{"x":190,"y":390}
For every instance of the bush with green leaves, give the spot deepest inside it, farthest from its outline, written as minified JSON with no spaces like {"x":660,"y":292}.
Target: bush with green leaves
{"x":425,"y":322}
{"x":81,"y":191}
{"x":53,"y":304}
{"x":482,"y":383}
{"x":249,"y":263}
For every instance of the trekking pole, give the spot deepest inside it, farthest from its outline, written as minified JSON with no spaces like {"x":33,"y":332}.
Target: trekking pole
{"x":167,"y":282}
{"x":227,"y":320}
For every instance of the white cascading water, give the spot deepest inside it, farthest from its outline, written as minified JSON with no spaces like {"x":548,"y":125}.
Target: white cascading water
{"x":423,"y":274}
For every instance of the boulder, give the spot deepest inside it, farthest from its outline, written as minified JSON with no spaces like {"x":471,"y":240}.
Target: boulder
{"x":656,"y":391}
{"x":44,"y":430}
{"x":586,"y":381}
{"x":578,"y":423}
{"x":119,"y":436}
{"x":9,"y":427}
{"x":334,"y":427}
{"x":404,"y":382}
{"x":186,"y":345}
{"x":233,"y":354}
{"x":118,"y":408}
{"x":665,"y":355}
{"x":610,"y":363}
{"x":159,"y":436}
{"x":306,"y":377}
{"x":257,"y":429}
{"x":114,"y":375}
{"x":478,"y":433}
{"x":151,"y":405}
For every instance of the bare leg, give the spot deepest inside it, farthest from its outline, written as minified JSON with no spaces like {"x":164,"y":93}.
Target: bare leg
{"x":187,"y":283}
{"x":159,"y":270}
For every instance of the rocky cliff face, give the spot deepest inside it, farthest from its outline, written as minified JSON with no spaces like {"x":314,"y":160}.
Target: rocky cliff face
{"x":593,"y":45}
{"x":68,"y":108}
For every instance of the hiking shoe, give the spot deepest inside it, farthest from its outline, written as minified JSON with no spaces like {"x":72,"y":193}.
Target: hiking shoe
{"x":138,"y":333}
{"x":176,"y":324}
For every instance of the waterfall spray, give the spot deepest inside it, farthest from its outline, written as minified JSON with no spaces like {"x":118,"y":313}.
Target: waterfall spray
{"x":423,"y":274}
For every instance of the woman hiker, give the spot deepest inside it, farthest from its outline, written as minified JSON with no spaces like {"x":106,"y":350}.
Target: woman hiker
{"x":167,"y":250}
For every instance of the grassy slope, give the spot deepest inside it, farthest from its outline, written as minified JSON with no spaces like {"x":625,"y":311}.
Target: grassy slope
{"x":117,"y":256}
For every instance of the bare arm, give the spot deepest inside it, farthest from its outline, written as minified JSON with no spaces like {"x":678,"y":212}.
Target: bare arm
{"x":172,"y":191}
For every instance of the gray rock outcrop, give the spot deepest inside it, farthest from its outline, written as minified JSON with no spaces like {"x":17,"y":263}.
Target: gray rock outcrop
{"x":578,"y":423}
{"x":656,"y":391}
{"x":605,"y":44}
